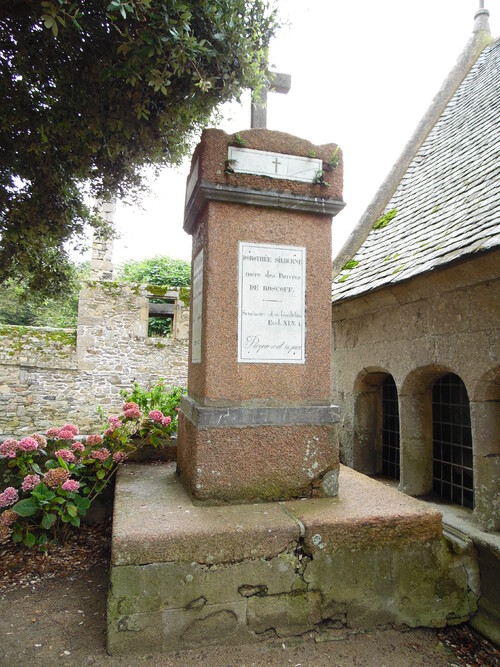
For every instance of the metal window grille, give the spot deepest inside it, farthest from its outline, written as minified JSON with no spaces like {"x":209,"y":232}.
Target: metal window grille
{"x":452,"y":441}
{"x":390,"y":429}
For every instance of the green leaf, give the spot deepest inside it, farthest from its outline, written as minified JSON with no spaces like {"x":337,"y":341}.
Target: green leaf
{"x":17,"y":536}
{"x":29,"y":540}
{"x":26,"y":507}
{"x":75,"y":521}
{"x":101,"y":474}
{"x":71,"y":509}
{"x":82,"y":504}
{"x":48,"y":520}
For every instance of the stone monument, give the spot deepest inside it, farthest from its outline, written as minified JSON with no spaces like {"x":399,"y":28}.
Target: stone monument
{"x":257,"y":423}
{"x":196,"y":560}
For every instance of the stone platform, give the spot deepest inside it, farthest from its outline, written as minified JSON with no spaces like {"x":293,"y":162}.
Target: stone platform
{"x":184,"y":575}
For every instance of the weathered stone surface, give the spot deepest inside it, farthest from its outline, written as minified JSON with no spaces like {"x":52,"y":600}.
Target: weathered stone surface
{"x":211,"y":624}
{"x":156,"y":586}
{"x":362,"y":514}
{"x":260,"y":462}
{"x":156,"y":521}
{"x":287,"y":615}
{"x":183,"y":574}
{"x":416,"y":331}
{"x":51,"y":376}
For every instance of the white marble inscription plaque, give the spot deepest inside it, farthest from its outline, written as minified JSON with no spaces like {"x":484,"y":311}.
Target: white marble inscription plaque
{"x":197,"y":300}
{"x":275,"y":165}
{"x":271,"y":308}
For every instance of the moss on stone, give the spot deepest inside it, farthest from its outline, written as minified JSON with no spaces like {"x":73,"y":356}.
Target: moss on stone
{"x":158,"y":290}
{"x":185,"y":295}
{"x":351,"y":264}
{"x":16,"y":334}
{"x":385,"y":219}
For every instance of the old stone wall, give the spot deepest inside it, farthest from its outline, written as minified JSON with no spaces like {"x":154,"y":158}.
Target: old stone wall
{"x":51,"y":376}
{"x":446,"y":321}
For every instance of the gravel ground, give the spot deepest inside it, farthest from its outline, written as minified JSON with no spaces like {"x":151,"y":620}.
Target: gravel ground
{"x":53,"y":612}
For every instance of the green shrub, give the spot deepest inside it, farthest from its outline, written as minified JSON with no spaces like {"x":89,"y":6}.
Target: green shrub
{"x":49,"y":482}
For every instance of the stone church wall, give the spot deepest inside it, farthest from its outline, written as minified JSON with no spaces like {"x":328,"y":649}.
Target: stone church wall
{"x":446,"y":321}
{"x":51,"y":376}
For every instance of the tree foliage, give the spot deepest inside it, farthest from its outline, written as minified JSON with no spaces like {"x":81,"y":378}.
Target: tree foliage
{"x":159,"y":270}
{"x":22,"y":306}
{"x":94,"y":91}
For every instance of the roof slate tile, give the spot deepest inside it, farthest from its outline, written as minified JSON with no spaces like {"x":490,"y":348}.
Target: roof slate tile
{"x":448,"y":202}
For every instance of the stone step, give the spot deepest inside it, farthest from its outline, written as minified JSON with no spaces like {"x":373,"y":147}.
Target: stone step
{"x":184,"y":574}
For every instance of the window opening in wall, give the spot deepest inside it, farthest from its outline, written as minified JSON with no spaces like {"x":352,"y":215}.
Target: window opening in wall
{"x":452,"y":441}
{"x":160,"y":317}
{"x":390,"y":429}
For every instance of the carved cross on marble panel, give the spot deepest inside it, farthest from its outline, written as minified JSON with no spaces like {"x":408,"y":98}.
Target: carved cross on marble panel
{"x":280,"y":83}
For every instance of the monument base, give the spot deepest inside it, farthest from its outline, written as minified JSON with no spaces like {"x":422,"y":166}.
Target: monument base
{"x":184,"y":575}
{"x":269,"y":453}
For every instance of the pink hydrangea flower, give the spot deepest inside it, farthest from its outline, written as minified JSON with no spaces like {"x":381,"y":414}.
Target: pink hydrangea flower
{"x":119,"y":457}
{"x":77,"y":447}
{"x":41,"y":439}
{"x":54,"y":477}
{"x":29,"y":482}
{"x":71,"y":485}
{"x":9,"y":448}
{"x":109,"y":431}
{"x":93,"y":440}
{"x":66,"y":455}
{"x":65,"y":434}
{"x":129,"y":406}
{"x":28,"y":445}
{"x":52,"y":432}
{"x":156,"y":415}
{"x":100,"y":454}
{"x":9,"y":497}
{"x":70,"y":427}
{"x":8,"y":517}
{"x":114,"y":420}
{"x":166,"y":421}
{"x":132,"y":413}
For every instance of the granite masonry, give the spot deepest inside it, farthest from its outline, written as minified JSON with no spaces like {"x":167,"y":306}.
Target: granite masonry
{"x":50,"y":376}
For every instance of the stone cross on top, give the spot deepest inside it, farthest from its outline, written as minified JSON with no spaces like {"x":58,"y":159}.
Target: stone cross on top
{"x":280,"y":83}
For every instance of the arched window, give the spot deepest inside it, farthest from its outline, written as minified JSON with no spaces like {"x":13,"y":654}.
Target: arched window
{"x":390,"y":429}
{"x":452,"y":441}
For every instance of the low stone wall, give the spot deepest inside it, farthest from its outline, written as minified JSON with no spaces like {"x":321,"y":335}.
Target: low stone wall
{"x":51,"y":376}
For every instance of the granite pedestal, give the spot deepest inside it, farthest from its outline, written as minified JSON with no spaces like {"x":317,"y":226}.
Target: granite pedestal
{"x":186,"y":575}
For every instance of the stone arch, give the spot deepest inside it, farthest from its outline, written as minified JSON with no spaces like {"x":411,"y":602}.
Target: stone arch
{"x":453,"y":469}
{"x":485,"y":421}
{"x":415,"y":415}
{"x":367,"y":426}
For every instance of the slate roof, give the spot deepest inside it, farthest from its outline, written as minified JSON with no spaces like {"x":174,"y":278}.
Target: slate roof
{"x":448,"y":203}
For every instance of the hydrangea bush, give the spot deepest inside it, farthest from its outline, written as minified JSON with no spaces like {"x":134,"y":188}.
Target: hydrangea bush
{"x":50,"y":481}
